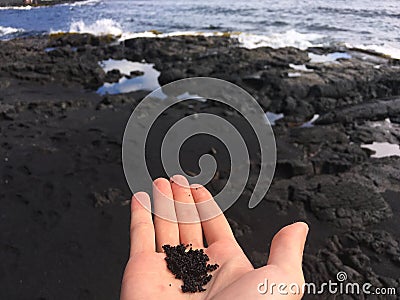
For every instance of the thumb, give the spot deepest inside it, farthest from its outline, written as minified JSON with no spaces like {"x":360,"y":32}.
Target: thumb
{"x":288,"y":245}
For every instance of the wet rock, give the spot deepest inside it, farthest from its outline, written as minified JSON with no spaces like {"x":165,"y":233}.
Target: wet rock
{"x":111,"y":101}
{"x":347,"y":201}
{"x":135,"y":73}
{"x":301,"y":108}
{"x":337,"y":158}
{"x":170,"y":75}
{"x":112,"y":76}
{"x":291,"y":160}
{"x":383,"y":173}
{"x":367,"y":132}
{"x":78,"y":40}
{"x":318,"y":135}
{"x":330,"y":198}
{"x":376,"y":110}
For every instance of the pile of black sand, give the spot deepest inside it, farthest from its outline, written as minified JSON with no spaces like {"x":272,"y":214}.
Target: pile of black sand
{"x":191,"y":266}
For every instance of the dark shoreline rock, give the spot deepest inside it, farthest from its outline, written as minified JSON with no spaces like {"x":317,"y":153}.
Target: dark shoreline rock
{"x":374,"y":110}
{"x":262,"y":71}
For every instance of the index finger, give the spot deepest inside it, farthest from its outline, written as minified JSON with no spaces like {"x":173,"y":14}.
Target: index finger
{"x":142,"y":229}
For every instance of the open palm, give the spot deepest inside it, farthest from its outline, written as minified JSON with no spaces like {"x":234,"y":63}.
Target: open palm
{"x":147,"y":277}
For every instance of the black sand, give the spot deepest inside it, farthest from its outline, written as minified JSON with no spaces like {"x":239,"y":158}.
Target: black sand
{"x":189,"y":265}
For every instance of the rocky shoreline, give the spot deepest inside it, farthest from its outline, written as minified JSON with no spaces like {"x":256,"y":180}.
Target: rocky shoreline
{"x":63,"y":193}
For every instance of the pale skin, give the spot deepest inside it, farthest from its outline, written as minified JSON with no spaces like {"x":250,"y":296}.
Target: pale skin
{"x":147,"y":277}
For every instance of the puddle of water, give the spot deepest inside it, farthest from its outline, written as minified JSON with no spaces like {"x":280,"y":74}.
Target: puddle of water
{"x":49,"y":49}
{"x":383,"y":149}
{"x":272,"y":117}
{"x":330,"y":57}
{"x":300,"y":68}
{"x":146,"y":82}
{"x":293,"y":74}
{"x":311,"y":122}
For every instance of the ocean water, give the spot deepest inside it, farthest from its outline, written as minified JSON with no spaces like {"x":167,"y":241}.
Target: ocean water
{"x":365,"y":24}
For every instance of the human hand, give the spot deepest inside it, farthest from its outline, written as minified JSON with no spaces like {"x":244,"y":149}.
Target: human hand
{"x":147,"y":277}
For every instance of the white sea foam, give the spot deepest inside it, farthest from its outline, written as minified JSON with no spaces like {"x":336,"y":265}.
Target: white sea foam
{"x":290,"y":38}
{"x":82,"y":3}
{"x":385,"y":48}
{"x":153,"y":34}
{"x":100,"y":27}
{"x":28,"y":7}
{"x":9,"y":30}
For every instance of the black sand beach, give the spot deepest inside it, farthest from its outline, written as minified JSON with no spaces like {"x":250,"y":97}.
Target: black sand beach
{"x":64,"y":209}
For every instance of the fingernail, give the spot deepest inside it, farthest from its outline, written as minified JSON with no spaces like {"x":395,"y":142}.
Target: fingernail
{"x":180,"y":180}
{"x":196,"y":186}
{"x":143,"y":198}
